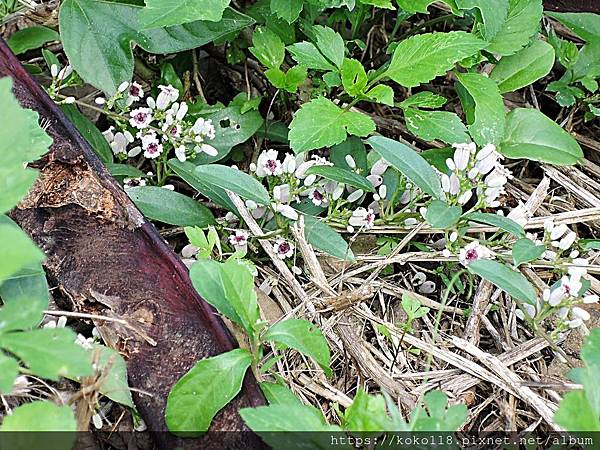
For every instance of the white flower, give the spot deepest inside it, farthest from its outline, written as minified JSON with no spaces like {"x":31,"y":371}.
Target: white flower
{"x":362,"y":217}
{"x":465,"y":197}
{"x":287,"y":211}
{"x":86,"y":343}
{"x":581,"y":313}
{"x":100,"y":100}
{"x":136,"y":92}
{"x":168,"y":94}
{"x":567,"y":241}
{"x":379,"y":167}
{"x":548,"y":225}
{"x":134,"y":182}
{"x":109,"y":134}
{"x":168,"y":187}
{"x":281,"y":193}
{"x":205,"y":148}
{"x":140,"y":118}
{"x":382,"y":191}
{"x":579,"y":268}
{"x":577,"y":322}
{"x":180,"y":153}
{"x":375,"y":180}
{"x":203,"y":128}
{"x":239,"y":239}
{"x":350,"y":161}
{"x":473,"y":252}
{"x":558,"y":231}
{"x":310,"y":179}
{"x":120,"y":141}
{"x":151,"y":145}
{"x":189,"y":251}
{"x":283,"y":249}
{"x":268,"y":164}
{"x":427,"y":287}
{"x":54,"y":70}
{"x":65,"y":72}
{"x":592,"y":298}
{"x":462,"y":155}
{"x":355,"y":195}
{"x":289,"y":163}
{"x":123,"y":86}
{"x":317,"y":197}
{"x":530,"y":310}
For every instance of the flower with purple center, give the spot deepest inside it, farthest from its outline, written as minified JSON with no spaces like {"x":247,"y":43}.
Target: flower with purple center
{"x":317,"y":197}
{"x":362,"y":217}
{"x":268,"y":164}
{"x":140,"y":118}
{"x":283,"y":249}
{"x":239,"y":239}
{"x":473,"y":252}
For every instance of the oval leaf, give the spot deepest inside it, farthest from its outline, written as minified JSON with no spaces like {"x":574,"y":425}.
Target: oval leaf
{"x":234,"y":180}
{"x":494,"y":220}
{"x":441,"y":215}
{"x":342,"y":176}
{"x":322,"y":237}
{"x":502,"y":276}
{"x":526,"y":250}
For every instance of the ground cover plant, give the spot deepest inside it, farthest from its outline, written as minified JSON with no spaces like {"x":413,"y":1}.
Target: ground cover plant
{"x":393,"y":204}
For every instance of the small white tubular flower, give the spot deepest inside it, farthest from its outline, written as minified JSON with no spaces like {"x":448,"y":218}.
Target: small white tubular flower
{"x":123,"y":86}
{"x":140,"y":118}
{"x":109,"y":134}
{"x":168,"y":94}
{"x":548,"y":225}
{"x":375,"y":180}
{"x":283,"y":249}
{"x":592,"y":298}
{"x":558,"y":231}
{"x":65,"y":72}
{"x":189,"y":251}
{"x":239,"y":239}
{"x":473,"y":252}
{"x":289,"y":163}
{"x":382,"y":191}
{"x":168,"y":187}
{"x":119,"y":143}
{"x":350,"y":161}
{"x":567,"y":241}
{"x":100,"y":101}
{"x":575,"y":323}
{"x":136,"y":92}
{"x":317,"y":197}
{"x":338,"y":191}
{"x":287,"y":211}
{"x":180,"y":153}
{"x":181,"y":111}
{"x":205,"y":148}
{"x":462,"y":155}
{"x":203,"y":128}
{"x":268,"y":164}
{"x":445,"y":179}
{"x":355,"y":195}
{"x":151,"y":146}
{"x":450,"y":164}
{"x":454,"y":185}
{"x":310,"y":179}
{"x":580,"y":313}
{"x":281,"y":193}
{"x":134,"y":151}
{"x":465,"y":197}
{"x":54,"y":70}
{"x":379,"y":167}
{"x":362,"y":217}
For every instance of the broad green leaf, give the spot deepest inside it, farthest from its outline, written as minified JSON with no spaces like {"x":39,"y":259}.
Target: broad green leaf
{"x":587,"y":64}
{"x":306,"y":54}
{"x":165,"y":13}
{"x":278,"y":394}
{"x":234,"y":180}
{"x":321,"y":123}
{"x":170,"y":207}
{"x":532,"y":135}
{"x":268,"y":48}
{"x":206,"y":276}
{"x":387,"y":4}
{"x":420,"y":6}
{"x":590,"y":244}
{"x":288,"y":81}
{"x":330,"y":44}
{"x":342,"y":176}
{"x":423,"y":57}
{"x":124,"y":170}
{"x":438,"y":416}
{"x":304,"y":337}
{"x":49,"y":352}
{"x":584,"y":25}
{"x":289,"y":418}
{"x":522,"y":22}
{"x":590,"y":354}
{"x":186,"y":171}
{"x":437,"y":157}
{"x":409,"y":163}
{"x":431,"y":125}
{"x":324,"y":238}
{"x":354,"y":77}
{"x":31,"y":38}
{"x":97,"y":38}
{"x":488,"y":122}
{"x":204,"y":390}
{"x":525,"y":250}
{"x":504,"y":223}
{"x":576,"y":414}
{"x":367,"y":413}
{"x":14,"y":185}
{"x":524,"y":67}
{"x":21,"y":316}
{"x":353,"y":147}
{"x":9,"y":370}
{"x":18,"y":251}
{"x":114,"y":384}
{"x":381,"y":94}
{"x":492,"y":15}
{"x":502,"y":276}
{"x":441,"y":215}
{"x":89,"y":131}
{"x":288,"y":10}
{"x":423,"y":99}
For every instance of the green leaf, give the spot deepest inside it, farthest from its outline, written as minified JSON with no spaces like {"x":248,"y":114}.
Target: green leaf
{"x":288,"y":81}
{"x":288,"y":418}
{"x":492,"y":14}
{"x":504,"y":223}
{"x":14,"y":185}
{"x":49,"y":352}
{"x":502,"y":276}
{"x":114,"y":384}
{"x":321,"y":123}
{"x":170,"y":207}
{"x":409,"y":163}
{"x":18,"y":251}
{"x":288,"y":10}
{"x":437,"y":157}
{"x":21,"y":316}
{"x":97,"y":38}
{"x":354,"y":77}
{"x":584,"y":25}
{"x":354,"y":147}
{"x":522,"y":22}
{"x":31,"y":38}
{"x":278,"y":394}
{"x":268,"y":48}
{"x":342,"y":176}
{"x":186,"y":171}
{"x":487,"y":126}
{"x":306,"y":54}
{"x":414,"y":6}
{"x":441,"y":215}
{"x":587,"y":64}
{"x":204,"y":390}
{"x":124,"y":170}
{"x":423,"y":57}
{"x":324,"y":238}
{"x":431,"y":125}
{"x":532,"y":135}
{"x":523,"y":68}
{"x":381,"y":94}
{"x":164,"y":13}
{"x":590,"y":244}
{"x":525,"y":250}
{"x":330,"y":44}
{"x":89,"y":131}
{"x":9,"y":370}
{"x":234,"y":180}
{"x":424,"y":99}
{"x":438,"y":416}
{"x":576,"y":414}
{"x":304,"y":337}
{"x":367,"y":413}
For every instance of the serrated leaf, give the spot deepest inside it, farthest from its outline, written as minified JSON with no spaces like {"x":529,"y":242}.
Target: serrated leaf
{"x":493,"y":14}
{"x":330,"y":44}
{"x":321,"y":123}
{"x":524,"y":67}
{"x":504,"y":223}
{"x":234,"y":180}
{"x":441,"y":215}
{"x":170,"y":207}
{"x":204,"y":390}
{"x":525,"y":250}
{"x":324,"y":238}
{"x":488,"y":122}
{"x":532,"y":135}
{"x":288,"y":10}
{"x":342,"y":176}
{"x":409,"y":163}
{"x":423,"y":57}
{"x":304,"y":337}
{"x":306,"y":54}
{"x":165,"y":13}
{"x":502,"y":276}
{"x":431,"y":125}
{"x":381,"y":94}
{"x":522,"y":22}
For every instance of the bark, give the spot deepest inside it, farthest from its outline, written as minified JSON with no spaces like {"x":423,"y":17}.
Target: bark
{"x":109,"y":260}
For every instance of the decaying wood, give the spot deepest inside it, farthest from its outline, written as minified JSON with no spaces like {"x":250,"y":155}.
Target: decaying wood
{"x":106,"y":258}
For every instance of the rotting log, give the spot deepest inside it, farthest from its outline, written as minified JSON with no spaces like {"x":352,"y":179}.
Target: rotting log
{"x":105,"y":257}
